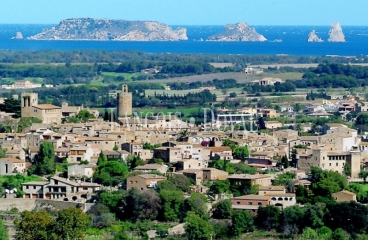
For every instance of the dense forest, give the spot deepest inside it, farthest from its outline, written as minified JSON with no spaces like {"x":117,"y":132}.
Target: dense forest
{"x":103,"y":56}
{"x":334,"y":75}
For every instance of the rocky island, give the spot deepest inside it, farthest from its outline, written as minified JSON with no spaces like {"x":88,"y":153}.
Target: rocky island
{"x":335,"y":34}
{"x":111,"y":30}
{"x":18,"y":35}
{"x":312,"y":37}
{"x":238,"y":32}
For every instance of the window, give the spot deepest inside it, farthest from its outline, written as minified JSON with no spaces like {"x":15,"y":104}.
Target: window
{"x":330,"y":164}
{"x":131,"y":182}
{"x":34,"y":187}
{"x":237,"y":202}
{"x":27,"y":187}
{"x":85,"y":188}
{"x":250,"y":203}
{"x":337,"y":164}
{"x":259,"y":203}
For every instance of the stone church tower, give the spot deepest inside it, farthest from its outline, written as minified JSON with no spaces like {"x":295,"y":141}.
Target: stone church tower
{"x":28,"y":101}
{"x":125,"y":102}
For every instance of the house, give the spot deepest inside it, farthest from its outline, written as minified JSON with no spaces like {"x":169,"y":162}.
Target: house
{"x":162,"y":168}
{"x":80,"y":171}
{"x":80,"y":153}
{"x":16,"y":153}
{"x":144,"y":182}
{"x":361,"y":107}
{"x":273,"y":124}
{"x":184,"y":164}
{"x":9,"y":166}
{"x":250,"y":180}
{"x":213,"y":174}
{"x":268,"y":112}
{"x":61,"y":189}
{"x":344,"y":196}
{"x":223,"y":153}
{"x":250,"y":202}
{"x":287,"y":108}
{"x":168,"y":154}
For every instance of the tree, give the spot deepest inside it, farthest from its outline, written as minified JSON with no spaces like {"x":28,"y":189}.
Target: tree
{"x":283,"y":179}
{"x":268,"y":217}
{"x":27,"y":122}
{"x":309,"y":234}
{"x":299,"y":129}
{"x":220,"y":186}
{"x":171,"y":203}
{"x":292,"y":220}
{"x":134,"y":161}
{"x":261,"y":123}
{"x":242,"y":222}
{"x":196,"y":203}
{"x":71,"y":223}
{"x":222,"y":209}
{"x":11,"y":105}
{"x":363,"y":174}
{"x":82,"y":116}
{"x":142,"y":205}
{"x":45,"y":160}
{"x":197,"y":228}
{"x":102,"y":159}
{"x":297,"y":107}
{"x":181,"y":182}
{"x":347,"y":169}
{"x":285,"y":161}
{"x":3,"y":231}
{"x":241,"y":152}
{"x":34,"y":226}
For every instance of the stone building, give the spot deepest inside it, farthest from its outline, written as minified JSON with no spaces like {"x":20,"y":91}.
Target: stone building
{"x":125,"y":102}
{"x":144,"y":181}
{"x":48,"y":113}
{"x":326,"y":160}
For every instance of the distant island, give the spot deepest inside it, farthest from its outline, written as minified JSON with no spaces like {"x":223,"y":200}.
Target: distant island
{"x":111,"y":30}
{"x":312,"y":37}
{"x":238,"y":32}
{"x":335,"y":34}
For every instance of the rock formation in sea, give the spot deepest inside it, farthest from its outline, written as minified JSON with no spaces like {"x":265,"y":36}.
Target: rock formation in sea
{"x":114,"y":30}
{"x":312,"y":37}
{"x":335,"y":34}
{"x":238,"y":32}
{"x":18,"y":35}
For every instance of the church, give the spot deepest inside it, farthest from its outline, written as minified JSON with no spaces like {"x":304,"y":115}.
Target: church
{"x":48,"y":113}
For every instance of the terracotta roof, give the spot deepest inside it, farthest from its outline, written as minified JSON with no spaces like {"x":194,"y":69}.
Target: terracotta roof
{"x":46,"y":106}
{"x":220,"y":149}
{"x":13,"y":160}
{"x":253,"y":196}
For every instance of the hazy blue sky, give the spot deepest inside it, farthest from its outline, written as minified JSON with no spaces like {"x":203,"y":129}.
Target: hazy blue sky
{"x":190,"y":12}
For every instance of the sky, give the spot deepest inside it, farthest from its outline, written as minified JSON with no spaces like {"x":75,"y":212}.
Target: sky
{"x":190,"y":12}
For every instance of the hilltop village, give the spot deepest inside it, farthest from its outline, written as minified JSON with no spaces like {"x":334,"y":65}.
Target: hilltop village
{"x":142,"y":150}
{"x":261,"y":169}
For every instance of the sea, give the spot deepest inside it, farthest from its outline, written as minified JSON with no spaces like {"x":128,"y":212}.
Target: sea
{"x":282,"y":40}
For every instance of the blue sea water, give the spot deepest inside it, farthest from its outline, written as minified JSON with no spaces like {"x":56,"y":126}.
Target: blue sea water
{"x":293,"y":42}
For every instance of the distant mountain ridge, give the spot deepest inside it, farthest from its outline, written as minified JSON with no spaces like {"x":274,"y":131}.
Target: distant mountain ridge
{"x":111,"y":30}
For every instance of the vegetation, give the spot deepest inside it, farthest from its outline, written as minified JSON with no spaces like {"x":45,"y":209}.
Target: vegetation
{"x":44,"y":161}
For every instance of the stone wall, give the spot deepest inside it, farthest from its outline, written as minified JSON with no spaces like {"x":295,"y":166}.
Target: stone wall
{"x":19,"y":203}
{"x":30,"y":204}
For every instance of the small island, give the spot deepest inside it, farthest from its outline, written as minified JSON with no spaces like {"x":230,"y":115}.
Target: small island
{"x":312,"y":37}
{"x":238,"y":32}
{"x":335,"y":34}
{"x":111,"y":30}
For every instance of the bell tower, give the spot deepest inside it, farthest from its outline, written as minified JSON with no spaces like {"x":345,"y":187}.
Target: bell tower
{"x":28,"y":100}
{"x":125,"y":102}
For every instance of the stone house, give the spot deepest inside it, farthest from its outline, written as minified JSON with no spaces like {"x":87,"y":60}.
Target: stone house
{"x":60,"y":189}
{"x":184,"y":164}
{"x":223,"y":153}
{"x":152,"y":167}
{"x":213,"y":174}
{"x":80,"y":153}
{"x":80,"y":171}
{"x":168,"y":154}
{"x":144,"y":182}
{"x":16,"y":153}
{"x":9,"y":166}
{"x":344,"y":196}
